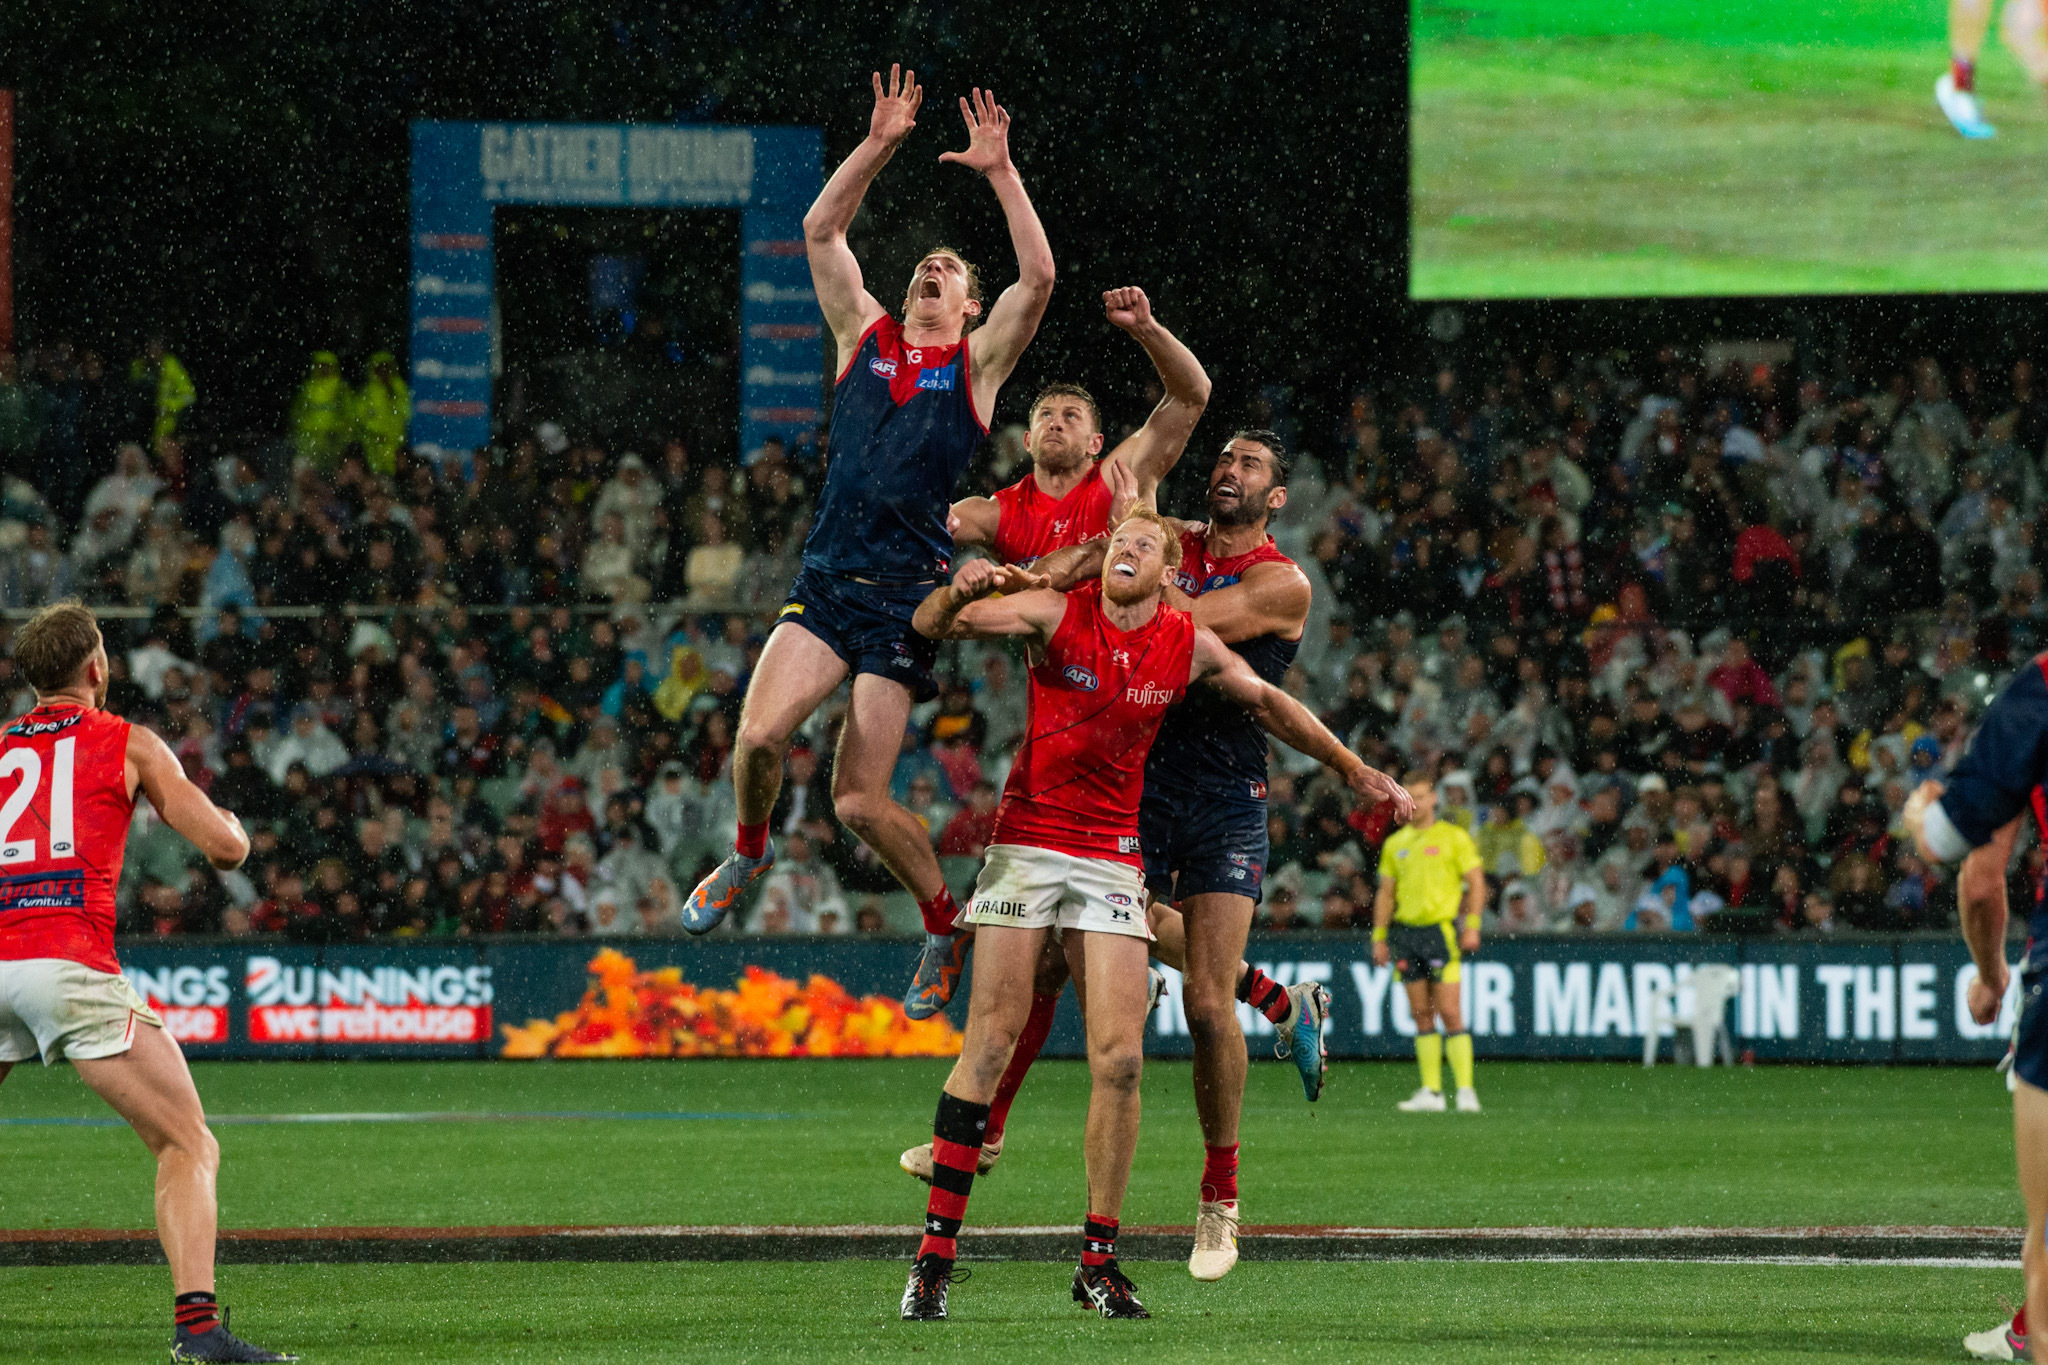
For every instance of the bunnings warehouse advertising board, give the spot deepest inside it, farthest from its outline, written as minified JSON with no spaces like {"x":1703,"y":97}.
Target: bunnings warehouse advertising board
{"x":1839,"y":1000}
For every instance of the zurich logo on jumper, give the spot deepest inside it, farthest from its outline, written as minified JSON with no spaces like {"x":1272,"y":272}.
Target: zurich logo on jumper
{"x":1080,"y":677}
{"x":941,"y":380}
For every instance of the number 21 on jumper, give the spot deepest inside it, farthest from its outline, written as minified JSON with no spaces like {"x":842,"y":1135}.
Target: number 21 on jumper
{"x":29,"y":765}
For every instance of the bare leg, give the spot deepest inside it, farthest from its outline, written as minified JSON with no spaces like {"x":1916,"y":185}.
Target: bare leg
{"x":1217,"y":927}
{"x":1968,"y":21}
{"x":1420,"y":1006}
{"x":2025,"y":30}
{"x":796,"y":673}
{"x":868,"y":745}
{"x":1116,"y":1061}
{"x":149,"y":1086}
{"x":1169,"y":934}
{"x":1005,"y":961}
{"x":2030,"y":1145}
{"x":1448,"y":1007}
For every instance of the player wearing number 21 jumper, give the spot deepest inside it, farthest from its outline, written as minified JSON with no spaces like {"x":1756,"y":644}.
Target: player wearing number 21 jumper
{"x":69,"y":775}
{"x":1108,"y":659}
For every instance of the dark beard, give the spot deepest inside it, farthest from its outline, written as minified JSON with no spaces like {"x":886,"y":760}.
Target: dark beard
{"x":1250,"y":510}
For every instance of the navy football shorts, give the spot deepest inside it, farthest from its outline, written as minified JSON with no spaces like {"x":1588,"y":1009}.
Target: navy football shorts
{"x":1203,"y":845}
{"x":867,"y":625}
{"x":2030,"y":1036}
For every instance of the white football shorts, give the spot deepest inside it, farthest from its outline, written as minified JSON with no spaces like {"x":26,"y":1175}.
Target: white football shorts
{"x":67,"y":1011}
{"x":1036,"y":888}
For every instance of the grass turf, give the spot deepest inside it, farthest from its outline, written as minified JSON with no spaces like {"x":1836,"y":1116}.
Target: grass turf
{"x":1586,"y":1144}
{"x":1021,"y":1312}
{"x":1660,"y":147}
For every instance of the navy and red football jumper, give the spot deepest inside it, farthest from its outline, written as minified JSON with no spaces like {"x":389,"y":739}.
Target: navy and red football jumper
{"x":903,"y":429}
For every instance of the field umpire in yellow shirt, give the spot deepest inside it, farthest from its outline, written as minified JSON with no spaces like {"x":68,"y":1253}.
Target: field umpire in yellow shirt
{"x":1426,"y":868}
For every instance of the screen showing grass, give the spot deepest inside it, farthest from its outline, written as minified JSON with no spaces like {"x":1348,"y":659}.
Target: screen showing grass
{"x":1626,"y":148}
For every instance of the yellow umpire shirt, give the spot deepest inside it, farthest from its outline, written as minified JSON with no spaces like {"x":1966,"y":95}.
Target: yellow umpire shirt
{"x":1428,"y":867}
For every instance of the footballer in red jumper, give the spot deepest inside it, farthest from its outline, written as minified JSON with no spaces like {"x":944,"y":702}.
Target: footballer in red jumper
{"x":1111,"y":657}
{"x":69,"y":775}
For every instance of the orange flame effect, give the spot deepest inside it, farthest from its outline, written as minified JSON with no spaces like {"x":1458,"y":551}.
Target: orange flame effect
{"x":631,"y":1013}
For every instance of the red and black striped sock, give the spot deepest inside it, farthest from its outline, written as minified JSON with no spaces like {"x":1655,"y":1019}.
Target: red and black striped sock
{"x":939,"y":912}
{"x":196,"y":1312}
{"x":1029,"y":1041}
{"x":1098,"y":1240}
{"x":1264,"y":994}
{"x":957,"y":1130}
{"x":1219,"y":1174}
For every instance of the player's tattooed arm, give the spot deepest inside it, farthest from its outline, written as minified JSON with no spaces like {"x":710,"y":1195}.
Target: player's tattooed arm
{"x":1150,"y":452}
{"x":842,"y":294}
{"x":185,"y":808}
{"x":1269,"y":599}
{"x":1014,"y":319}
{"x":969,"y":608}
{"x":1293,"y":724}
{"x":974,"y":521}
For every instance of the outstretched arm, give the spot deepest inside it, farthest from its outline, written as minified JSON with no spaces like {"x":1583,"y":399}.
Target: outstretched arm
{"x":1152,"y":450}
{"x":1014,"y":320}
{"x":989,"y":601}
{"x":185,"y":808}
{"x":1288,"y":721}
{"x":835,"y":274}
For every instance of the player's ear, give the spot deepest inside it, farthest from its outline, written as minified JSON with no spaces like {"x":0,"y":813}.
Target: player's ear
{"x":1095,"y":444}
{"x":1277,"y":499}
{"x":973,"y":307}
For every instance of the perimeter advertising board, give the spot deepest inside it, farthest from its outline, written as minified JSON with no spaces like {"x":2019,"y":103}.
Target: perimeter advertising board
{"x":1859,"y":1000}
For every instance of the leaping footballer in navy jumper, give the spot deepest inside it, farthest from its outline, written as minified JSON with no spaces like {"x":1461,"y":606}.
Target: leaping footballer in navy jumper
{"x":913,"y":401}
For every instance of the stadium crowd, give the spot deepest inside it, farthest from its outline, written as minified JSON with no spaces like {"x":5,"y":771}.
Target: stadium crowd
{"x":1677,"y":642}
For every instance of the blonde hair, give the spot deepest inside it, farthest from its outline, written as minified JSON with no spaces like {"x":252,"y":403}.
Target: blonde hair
{"x":1171,"y":541}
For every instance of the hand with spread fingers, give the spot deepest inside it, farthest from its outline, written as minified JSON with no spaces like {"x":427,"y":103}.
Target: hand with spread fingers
{"x":895,"y":106}
{"x":988,"y":135}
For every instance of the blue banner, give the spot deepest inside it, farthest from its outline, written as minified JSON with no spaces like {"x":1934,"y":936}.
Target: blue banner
{"x":461,"y":171}
{"x":1860,"y":1000}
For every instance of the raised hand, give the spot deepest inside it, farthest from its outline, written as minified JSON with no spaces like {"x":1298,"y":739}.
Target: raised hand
{"x":1127,"y":307}
{"x":988,"y":135}
{"x":1123,"y":490}
{"x":895,"y":107}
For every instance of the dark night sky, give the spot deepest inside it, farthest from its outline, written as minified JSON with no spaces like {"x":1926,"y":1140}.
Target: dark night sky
{"x":244,"y":187}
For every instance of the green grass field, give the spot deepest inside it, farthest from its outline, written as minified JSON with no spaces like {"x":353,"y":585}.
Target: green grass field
{"x":1559,"y":1144}
{"x":845,"y":1310}
{"x":1593,"y":148}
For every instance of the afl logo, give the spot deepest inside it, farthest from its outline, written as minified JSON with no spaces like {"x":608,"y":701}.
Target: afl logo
{"x":1117,"y":898}
{"x":883,"y":367}
{"x":1080,"y":677}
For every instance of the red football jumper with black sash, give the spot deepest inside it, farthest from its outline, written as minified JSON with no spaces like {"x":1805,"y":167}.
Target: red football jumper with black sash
{"x":64,"y":813}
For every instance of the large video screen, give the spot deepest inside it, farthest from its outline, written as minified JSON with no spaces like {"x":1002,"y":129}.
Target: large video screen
{"x":1628,"y":148}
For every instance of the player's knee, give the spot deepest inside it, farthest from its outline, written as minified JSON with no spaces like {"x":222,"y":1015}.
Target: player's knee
{"x":192,"y":1143}
{"x":860,"y":812}
{"x":757,"y":736}
{"x":1212,"y":1022}
{"x":1118,"y":1068}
